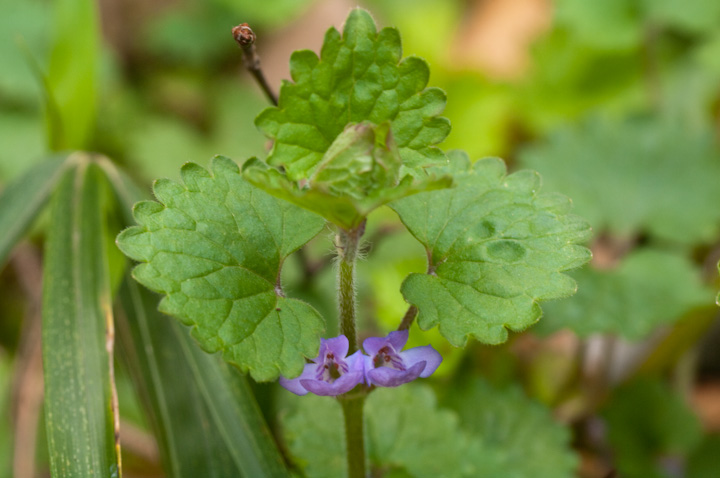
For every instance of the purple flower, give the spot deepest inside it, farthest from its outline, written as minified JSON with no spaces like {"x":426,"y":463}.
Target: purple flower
{"x":331,"y":373}
{"x":386,"y":366}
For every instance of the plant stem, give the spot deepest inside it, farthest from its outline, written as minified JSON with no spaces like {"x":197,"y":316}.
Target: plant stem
{"x":245,"y":37}
{"x":354,"y":434}
{"x":347,"y":243}
{"x":408,"y":318}
{"x":347,"y":246}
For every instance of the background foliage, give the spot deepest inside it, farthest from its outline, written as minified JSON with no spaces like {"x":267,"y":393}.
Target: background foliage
{"x":614,"y":104}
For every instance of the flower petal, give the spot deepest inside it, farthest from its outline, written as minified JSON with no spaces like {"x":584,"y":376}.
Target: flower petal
{"x":356,"y":362}
{"x":294,"y":385}
{"x":397,"y":340}
{"x":389,"y":377}
{"x":337,"y":345}
{"x":426,"y":354}
{"x":342,"y":385}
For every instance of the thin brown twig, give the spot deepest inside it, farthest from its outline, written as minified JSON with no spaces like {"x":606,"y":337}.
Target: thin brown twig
{"x":245,"y":37}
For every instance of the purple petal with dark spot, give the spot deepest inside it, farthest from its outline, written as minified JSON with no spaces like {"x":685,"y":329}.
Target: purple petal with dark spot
{"x":397,"y":340}
{"x":389,"y":377}
{"x":342,"y":385}
{"x":337,"y":345}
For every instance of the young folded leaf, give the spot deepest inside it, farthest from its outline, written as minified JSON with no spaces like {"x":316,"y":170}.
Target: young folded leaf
{"x":215,"y":246}
{"x":359,"y":173}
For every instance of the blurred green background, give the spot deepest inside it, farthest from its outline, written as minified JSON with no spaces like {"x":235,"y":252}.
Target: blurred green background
{"x":616,"y":104}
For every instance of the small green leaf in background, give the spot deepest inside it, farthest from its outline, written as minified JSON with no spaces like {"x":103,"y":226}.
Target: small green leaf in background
{"x":215,"y":246}
{"x":315,"y":437}
{"x":497,"y":246}
{"x":642,"y":176}
{"x":704,"y":461}
{"x":610,"y":25}
{"x":72,"y":73}
{"x":358,"y":77}
{"x":405,"y":431}
{"x":495,"y":435}
{"x":522,"y":434}
{"x":22,"y":200}
{"x":691,"y":16}
{"x":618,"y":25}
{"x":649,"y":288}
{"x":76,"y":313}
{"x":647,"y":420}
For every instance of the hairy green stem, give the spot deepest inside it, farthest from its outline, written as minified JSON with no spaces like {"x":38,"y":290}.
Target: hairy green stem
{"x":354,"y":434}
{"x":347,"y":247}
{"x":347,"y":244}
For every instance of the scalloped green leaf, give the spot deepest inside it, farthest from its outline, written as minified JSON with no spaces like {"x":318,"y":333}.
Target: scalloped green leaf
{"x":496,"y":247}
{"x":521,"y":433}
{"x":649,"y":288}
{"x":636,"y":177}
{"x":215,"y":245}
{"x":359,"y":76}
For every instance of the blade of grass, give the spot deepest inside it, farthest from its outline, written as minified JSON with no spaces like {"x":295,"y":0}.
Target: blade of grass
{"x":77,"y":345}
{"x":235,"y":412}
{"x":205,"y":425}
{"x":22,"y":200}
{"x":178,"y":414}
{"x":205,"y":416}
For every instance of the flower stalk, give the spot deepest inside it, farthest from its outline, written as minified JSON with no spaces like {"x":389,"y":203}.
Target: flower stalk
{"x":352,"y":406}
{"x":348,"y":242}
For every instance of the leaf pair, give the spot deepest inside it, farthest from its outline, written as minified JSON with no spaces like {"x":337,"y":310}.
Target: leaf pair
{"x":216,"y":245}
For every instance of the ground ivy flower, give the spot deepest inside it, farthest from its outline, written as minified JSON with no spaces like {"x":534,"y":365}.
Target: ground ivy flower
{"x":387,"y":366}
{"x":331,"y":373}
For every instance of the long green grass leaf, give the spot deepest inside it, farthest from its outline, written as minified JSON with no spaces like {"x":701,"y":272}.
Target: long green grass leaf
{"x":204,"y":424}
{"x":205,"y":416}
{"x":77,"y":317}
{"x":22,"y":200}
